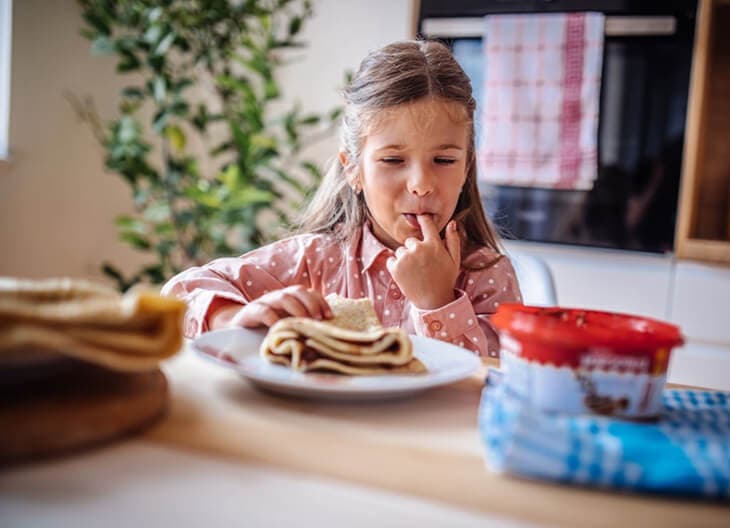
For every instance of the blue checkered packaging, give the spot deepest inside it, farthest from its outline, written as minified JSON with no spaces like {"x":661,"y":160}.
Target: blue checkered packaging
{"x":687,"y":451}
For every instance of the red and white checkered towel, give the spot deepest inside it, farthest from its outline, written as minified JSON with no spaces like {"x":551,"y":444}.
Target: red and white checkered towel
{"x":540,"y":108}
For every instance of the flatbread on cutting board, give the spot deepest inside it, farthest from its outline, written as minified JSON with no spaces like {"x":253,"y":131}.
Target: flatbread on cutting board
{"x":89,"y":322}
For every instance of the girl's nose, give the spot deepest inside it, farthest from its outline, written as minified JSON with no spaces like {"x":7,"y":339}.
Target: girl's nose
{"x":420,"y":181}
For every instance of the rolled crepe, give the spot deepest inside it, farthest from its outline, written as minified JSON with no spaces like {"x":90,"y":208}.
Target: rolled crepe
{"x":89,"y":322}
{"x":353,"y":342}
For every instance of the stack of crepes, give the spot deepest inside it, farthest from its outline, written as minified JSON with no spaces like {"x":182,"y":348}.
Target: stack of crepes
{"x":87,"y":321}
{"x":352,"y":342}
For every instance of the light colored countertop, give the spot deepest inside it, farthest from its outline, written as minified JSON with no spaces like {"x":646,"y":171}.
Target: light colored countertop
{"x":229,"y":454}
{"x":138,"y":483}
{"x":426,"y":446}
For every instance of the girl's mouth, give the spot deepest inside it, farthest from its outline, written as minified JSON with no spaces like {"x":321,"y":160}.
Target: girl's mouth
{"x":412,"y":219}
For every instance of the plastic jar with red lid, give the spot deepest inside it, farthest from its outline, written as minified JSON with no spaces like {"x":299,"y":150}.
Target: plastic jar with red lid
{"x":585,"y":361}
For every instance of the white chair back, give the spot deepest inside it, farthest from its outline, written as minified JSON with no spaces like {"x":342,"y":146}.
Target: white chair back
{"x":536,"y":280}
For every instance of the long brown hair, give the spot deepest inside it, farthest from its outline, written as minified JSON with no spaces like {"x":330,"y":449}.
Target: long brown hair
{"x":399,"y":73}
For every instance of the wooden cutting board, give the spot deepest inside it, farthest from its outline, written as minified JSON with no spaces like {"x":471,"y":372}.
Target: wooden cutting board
{"x":68,"y":405}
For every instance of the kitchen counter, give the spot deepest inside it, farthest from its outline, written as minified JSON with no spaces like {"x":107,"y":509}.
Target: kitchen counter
{"x":138,"y":483}
{"x":426,"y":446}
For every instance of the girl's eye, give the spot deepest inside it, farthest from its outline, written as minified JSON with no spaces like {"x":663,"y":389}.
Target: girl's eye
{"x":445,"y":161}
{"x":390,"y":160}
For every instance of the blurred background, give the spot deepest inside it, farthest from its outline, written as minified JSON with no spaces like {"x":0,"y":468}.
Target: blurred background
{"x":57,"y":204}
{"x":612,"y":236}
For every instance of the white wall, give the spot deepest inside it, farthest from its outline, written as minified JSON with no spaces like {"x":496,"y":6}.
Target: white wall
{"x":340,"y":35}
{"x":57,"y":205}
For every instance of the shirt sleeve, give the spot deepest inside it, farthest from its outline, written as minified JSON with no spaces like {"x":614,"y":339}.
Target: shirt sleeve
{"x":240,"y":279}
{"x":465,"y":321}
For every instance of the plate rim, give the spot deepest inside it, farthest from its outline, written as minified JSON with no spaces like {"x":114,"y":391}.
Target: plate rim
{"x":409,"y":384}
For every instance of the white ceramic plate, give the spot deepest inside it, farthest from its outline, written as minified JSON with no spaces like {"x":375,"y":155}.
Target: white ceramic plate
{"x":238,"y":348}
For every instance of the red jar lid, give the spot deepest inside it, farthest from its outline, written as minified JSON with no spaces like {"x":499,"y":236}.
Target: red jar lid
{"x":573,"y":329}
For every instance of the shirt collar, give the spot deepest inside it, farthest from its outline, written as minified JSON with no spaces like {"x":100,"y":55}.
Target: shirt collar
{"x":371,"y":247}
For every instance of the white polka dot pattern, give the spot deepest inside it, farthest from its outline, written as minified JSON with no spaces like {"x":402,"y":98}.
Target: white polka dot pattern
{"x":357,"y":269}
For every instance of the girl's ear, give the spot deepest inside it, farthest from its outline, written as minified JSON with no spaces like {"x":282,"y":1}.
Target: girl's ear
{"x":343,"y":158}
{"x":350,"y":172}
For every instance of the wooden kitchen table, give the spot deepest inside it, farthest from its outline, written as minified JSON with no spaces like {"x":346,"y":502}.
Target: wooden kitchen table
{"x":426,"y":446}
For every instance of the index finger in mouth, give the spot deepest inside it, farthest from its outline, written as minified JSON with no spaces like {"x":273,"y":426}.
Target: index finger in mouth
{"x":428,"y":227}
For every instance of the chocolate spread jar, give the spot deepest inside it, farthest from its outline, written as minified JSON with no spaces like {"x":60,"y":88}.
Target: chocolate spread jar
{"x":583,"y":361}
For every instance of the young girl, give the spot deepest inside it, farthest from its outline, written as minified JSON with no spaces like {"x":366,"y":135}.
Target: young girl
{"x":397,"y":219}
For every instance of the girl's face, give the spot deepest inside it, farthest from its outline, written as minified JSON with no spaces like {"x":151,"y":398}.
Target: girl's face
{"x":414,"y":162}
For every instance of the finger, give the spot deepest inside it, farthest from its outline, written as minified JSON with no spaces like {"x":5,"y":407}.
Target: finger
{"x":400,"y":252}
{"x":390,"y":264}
{"x":326,"y":309}
{"x":428,"y":227}
{"x":321,"y":302}
{"x":453,"y":242}
{"x":411,"y":243}
{"x":290,"y":305}
{"x":254,"y":315}
{"x":313,"y":302}
{"x":267,"y":315}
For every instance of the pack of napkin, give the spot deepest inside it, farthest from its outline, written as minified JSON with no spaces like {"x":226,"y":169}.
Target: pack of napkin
{"x":685,"y":452}
{"x":87,"y":321}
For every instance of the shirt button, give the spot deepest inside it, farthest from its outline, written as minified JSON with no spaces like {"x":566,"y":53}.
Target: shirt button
{"x":395,"y":294}
{"x":435,"y":326}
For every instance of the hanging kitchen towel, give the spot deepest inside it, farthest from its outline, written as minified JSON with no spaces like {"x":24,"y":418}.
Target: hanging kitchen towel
{"x":541,"y":97}
{"x":687,"y":451}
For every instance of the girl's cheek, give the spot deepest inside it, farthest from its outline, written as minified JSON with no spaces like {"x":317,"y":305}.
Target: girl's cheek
{"x":386,"y":179}
{"x":376,"y":174}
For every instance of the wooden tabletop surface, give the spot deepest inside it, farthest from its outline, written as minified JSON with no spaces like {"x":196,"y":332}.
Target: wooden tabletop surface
{"x":426,"y":445}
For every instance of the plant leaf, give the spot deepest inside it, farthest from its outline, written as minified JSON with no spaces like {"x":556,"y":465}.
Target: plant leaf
{"x":176,"y":137}
{"x":165,"y":44}
{"x":102,"y":45}
{"x":187,"y":212}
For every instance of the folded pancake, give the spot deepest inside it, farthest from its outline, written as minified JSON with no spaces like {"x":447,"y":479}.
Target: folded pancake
{"x":353,"y":342}
{"x":89,"y":322}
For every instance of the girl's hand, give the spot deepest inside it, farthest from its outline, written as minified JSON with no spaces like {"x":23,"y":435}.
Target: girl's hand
{"x":426,"y":270}
{"x":293,"y":301}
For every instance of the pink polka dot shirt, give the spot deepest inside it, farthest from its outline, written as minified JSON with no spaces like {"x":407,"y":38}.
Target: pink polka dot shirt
{"x":355,"y":269}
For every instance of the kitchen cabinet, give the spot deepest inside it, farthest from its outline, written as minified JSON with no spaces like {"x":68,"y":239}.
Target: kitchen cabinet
{"x":703,"y":226}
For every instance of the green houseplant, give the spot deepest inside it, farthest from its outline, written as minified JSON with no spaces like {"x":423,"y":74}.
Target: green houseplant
{"x":201,"y":70}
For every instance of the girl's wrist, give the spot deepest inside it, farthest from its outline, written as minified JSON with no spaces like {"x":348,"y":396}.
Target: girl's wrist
{"x":434,"y":302}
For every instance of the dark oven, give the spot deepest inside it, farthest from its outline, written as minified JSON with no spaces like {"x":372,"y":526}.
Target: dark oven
{"x":642,"y":102}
